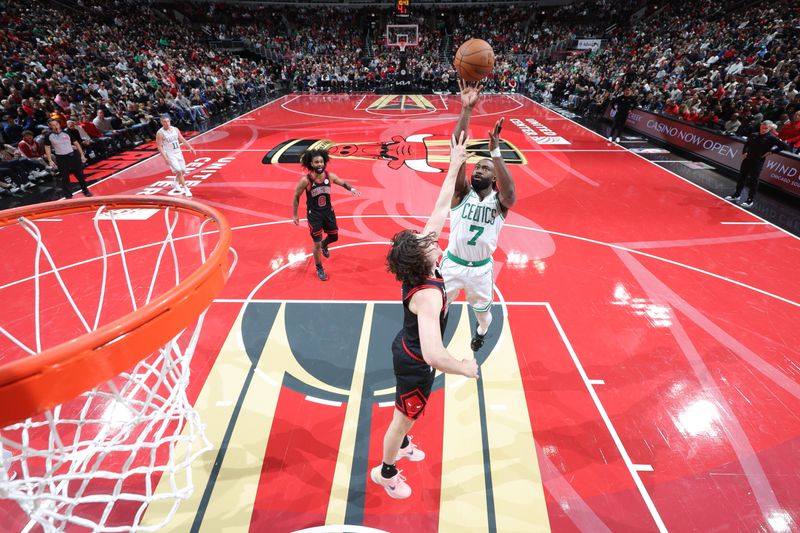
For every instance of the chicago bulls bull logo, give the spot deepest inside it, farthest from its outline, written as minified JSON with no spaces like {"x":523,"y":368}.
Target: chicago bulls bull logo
{"x":421,"y":152}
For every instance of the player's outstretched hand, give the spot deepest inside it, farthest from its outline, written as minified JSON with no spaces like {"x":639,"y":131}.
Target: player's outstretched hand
{"x":494,"y":135}
{"x":355,"y":192}
{"x":458,"y":149}
{"x":470,"y":368}
{"x":470,"y":91}
{"x":296,"y":220}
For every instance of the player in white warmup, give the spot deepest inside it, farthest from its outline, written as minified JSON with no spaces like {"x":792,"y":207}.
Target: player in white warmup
{"x":168,"y":141}
{"x":477,"y":213}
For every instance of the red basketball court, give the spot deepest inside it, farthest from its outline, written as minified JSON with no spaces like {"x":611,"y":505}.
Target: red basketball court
{"x":640,"y":374}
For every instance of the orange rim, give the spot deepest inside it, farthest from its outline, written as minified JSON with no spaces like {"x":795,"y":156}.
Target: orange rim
{"x":31,"y":385}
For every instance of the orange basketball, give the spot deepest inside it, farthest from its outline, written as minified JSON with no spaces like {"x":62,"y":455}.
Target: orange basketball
{"x":474,"y":60}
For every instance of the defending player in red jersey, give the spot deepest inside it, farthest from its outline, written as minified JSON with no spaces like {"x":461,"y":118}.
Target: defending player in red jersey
{"x":418,"y":350}
{"x":321,"y":218}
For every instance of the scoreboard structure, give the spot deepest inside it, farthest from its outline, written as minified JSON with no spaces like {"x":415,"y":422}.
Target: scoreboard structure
{"x":401,"y":8}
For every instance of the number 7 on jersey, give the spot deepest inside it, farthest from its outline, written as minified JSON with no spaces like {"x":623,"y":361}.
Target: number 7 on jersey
{"x":478,"y":231}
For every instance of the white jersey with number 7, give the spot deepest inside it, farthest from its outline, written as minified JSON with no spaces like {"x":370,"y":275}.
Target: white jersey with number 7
{"x":475,"y":226}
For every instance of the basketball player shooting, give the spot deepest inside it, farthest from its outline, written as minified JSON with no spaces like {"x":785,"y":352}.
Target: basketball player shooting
{"x":321,"y":218}
{"x":477,"y":212}
{"x":168,"y":142}
{"x":418,"y":348}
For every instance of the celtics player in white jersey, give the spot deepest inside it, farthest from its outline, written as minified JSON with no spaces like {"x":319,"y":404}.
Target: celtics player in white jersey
{"x":168,"y":141}
{"x":477,"y":212}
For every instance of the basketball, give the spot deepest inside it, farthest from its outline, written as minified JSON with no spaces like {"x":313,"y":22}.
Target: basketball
{"x":474,"y":60}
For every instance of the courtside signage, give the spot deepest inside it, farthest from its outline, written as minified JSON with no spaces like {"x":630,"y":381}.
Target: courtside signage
{"x":721,"y":149}
{"x":538,"y":132}
{"x":782,"y":171}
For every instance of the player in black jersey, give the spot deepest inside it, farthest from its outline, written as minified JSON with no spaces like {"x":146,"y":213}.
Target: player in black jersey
{"x":418,"y":350}
{"x":317,"y":185}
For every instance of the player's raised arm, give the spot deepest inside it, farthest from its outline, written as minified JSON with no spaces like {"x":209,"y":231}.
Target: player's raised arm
{"x":506,"y":190}
{"x":458,"y":155}
{"x":470,"y":92}
{"x":340,"y":182}
{"x":301,"y":186}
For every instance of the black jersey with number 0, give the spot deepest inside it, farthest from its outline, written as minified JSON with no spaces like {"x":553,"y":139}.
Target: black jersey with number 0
{"x":318,"y":195}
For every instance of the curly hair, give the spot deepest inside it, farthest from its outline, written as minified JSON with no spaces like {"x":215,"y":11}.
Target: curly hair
{"x":408,"y":259}
{"x":309,"y":155}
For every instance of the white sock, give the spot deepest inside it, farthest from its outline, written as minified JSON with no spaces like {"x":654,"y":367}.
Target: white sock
{"x":484,"y":320}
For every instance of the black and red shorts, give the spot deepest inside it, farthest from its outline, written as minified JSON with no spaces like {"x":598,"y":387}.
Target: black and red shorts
{"x":322,"y":221}
{"x":414,"y":380}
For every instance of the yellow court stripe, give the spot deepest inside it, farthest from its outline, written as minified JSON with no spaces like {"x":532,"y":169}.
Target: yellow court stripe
{"x":381,"y":102}
{"x":463,"y":492}
{"x":422,"y":101}
{"x":224,"y":383}
{"x":231,"y":505}
{"x":337,"y":506}
{"x":516,"y":480}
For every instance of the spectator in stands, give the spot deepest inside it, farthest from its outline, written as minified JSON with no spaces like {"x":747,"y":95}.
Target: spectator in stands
{"x":109,"y":144}
{"x":182,"y":107}
{"x":732,"y":125}
{"x":791,"y":131}
{"x":760,"y":79}
{"x":791,"y":91}
{"x":671,"y":108}
{"x":781,"y":121}
{"x":12,"y":130}
{"x":140,"y":121}
{"x":14,"y":170}
{"x":708,"y":119}
{"x":735,"y":68}
{"x":32,"y":150}
{"x":106,"y":127}
{"x":40,"y":116}
{"x":102,"y":123}
{"x":93,"y":149}
{"x":124,"y":123}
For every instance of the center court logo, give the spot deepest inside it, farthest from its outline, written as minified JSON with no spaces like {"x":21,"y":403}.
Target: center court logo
{"x":394,"y":102}
{"x":538,"y":132}
{"x":421,"y":152}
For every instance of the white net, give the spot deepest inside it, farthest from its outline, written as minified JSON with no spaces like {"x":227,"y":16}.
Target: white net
{"x":96,"y":461}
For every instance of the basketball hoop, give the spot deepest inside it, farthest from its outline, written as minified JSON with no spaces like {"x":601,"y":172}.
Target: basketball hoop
{"x":402,"y":36}
{"x":91,"y":424}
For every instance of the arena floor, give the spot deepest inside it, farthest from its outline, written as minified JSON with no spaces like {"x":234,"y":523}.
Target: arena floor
{"x":640,"y":373}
